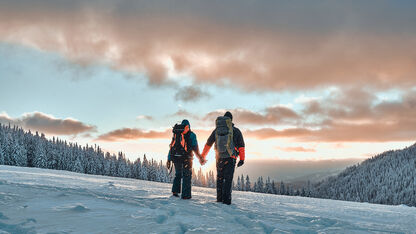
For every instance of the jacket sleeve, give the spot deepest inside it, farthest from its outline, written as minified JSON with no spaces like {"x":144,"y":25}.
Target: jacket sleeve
{"x":207,"y":147}
{"x":194,"y":141}
{"x":211,"y":139}
{"x":239,"y":143}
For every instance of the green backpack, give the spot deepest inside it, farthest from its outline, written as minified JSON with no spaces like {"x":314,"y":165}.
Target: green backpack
{"x":224,"y":143}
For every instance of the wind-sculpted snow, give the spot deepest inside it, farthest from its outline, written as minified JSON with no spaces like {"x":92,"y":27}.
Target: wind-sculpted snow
{"x":42,"y":201}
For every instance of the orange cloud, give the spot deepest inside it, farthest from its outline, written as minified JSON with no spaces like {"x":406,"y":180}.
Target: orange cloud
{"x":295,"y":149}
{"x":349,"y":115}
{"x":271,"y":115}
{"x":132,"y":134}
{"x":267,"y":46}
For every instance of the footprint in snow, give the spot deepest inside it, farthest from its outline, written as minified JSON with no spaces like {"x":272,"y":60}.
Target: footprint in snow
{"x":161,"y":219}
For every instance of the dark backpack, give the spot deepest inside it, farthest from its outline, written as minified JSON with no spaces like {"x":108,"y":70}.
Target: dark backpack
{"x":224,"y":142}
{"x":179,"y":146}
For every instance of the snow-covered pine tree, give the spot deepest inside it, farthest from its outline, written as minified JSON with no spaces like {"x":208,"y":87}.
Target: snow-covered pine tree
{"x":17,"y":152}
{"x":255,"y":189}
{"x":122,"y":167}
{"x":268,"y":188}
{"x":282,"y":188}
{"x":1,"y":151}
{"x":243,"y":184}
{"x":274,"y":188}
{"x":144,"y":171}
{"x":238,"y":186}
{"x":194,"y":177}
{"x":2,"y":144}
{"x":40,"y":160}
{"x":260,"y":185}
{"x":248,"y":184}
{"x":78,"y":167}
{"x":211,"y":180}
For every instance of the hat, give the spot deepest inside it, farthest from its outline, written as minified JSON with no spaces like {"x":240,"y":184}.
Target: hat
{"x":229,"y":115}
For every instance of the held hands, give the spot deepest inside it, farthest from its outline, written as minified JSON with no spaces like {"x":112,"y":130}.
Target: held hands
{"x":202,"y":161}
{"x":240,"y":163}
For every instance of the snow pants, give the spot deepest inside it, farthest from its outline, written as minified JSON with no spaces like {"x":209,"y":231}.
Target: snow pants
{"x":225,"y":173}
{"x":183,"y":171}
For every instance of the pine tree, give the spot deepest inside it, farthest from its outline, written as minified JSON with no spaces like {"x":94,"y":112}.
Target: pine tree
{"x":145,"y":165}
{"x":260,"y":185}
{"x":78,"y":167}
{"x":194,"y":177}
{"x":40,"y":159}
{"x":17,"y":153}
{"x":274,"y":189}
{"x":243,"y":184}
{"x":248,"y":185}
{"x":282,"y":188}
{"x":1,"y":151}
{"x":268,"y":188}
{"x":238,"y":184}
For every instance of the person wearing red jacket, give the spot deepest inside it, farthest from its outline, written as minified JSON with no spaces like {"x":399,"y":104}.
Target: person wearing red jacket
{"x":226,"y":165}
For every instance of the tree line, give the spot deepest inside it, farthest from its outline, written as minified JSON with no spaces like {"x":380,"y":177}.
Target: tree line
{"x":388,"y":178}
{"x":27,"y":149}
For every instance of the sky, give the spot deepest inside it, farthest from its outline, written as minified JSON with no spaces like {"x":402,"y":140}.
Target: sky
{"x":306,"y":81}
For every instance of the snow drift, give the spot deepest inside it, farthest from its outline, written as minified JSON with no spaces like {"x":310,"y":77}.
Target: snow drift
{"x":36,"y":200}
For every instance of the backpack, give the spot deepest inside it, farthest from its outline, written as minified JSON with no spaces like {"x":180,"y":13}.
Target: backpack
{"x":179,"y":145}
{"x":224,"y":141}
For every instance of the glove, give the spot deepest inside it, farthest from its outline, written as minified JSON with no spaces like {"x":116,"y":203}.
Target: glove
{"x":168,"y":164}
{"x":202,"y":161}
{"x":240,"y":163}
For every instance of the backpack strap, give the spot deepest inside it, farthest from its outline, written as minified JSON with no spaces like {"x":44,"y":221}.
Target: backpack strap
{"x":230,"y":137}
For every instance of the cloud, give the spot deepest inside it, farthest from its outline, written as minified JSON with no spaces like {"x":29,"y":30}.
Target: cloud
{"x":269,"y":45}
{"x":276,"y":115}
{"x":267,"y":133}
{"x":190,"y":94}
{"x":184,"y":114}
{"x":144,"y":117}
{"x":38,"y":121}
{"x":132,"y":134}
{"x":295,"y":149}
{"x":126,"y":134}
{"x":351,"y":115}
{"x":345,"y":115}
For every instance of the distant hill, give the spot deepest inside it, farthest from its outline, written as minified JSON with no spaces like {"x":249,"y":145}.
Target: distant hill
{"x":388,"y":178}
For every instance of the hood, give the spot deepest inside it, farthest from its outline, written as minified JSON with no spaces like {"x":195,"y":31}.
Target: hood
{"x":186,"y":122}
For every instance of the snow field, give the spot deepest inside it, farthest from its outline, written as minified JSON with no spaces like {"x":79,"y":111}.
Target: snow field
{"x":36,"y":200}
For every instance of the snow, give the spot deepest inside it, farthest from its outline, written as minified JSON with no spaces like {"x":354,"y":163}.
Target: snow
{"x":36,"y":200}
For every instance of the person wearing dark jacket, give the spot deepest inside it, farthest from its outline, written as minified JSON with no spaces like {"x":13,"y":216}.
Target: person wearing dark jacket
{"x":183,"y":163}
{"x":226,"y":166}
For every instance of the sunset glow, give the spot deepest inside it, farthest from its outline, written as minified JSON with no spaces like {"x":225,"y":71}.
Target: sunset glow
{"x":304,"y":81}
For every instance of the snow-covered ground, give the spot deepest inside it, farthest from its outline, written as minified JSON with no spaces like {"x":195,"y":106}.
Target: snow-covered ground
{"x":47,"y":201}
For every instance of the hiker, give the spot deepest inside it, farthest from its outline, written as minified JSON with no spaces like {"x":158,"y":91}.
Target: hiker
{"x":181,"y":150}
{"x":229,"y":144}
